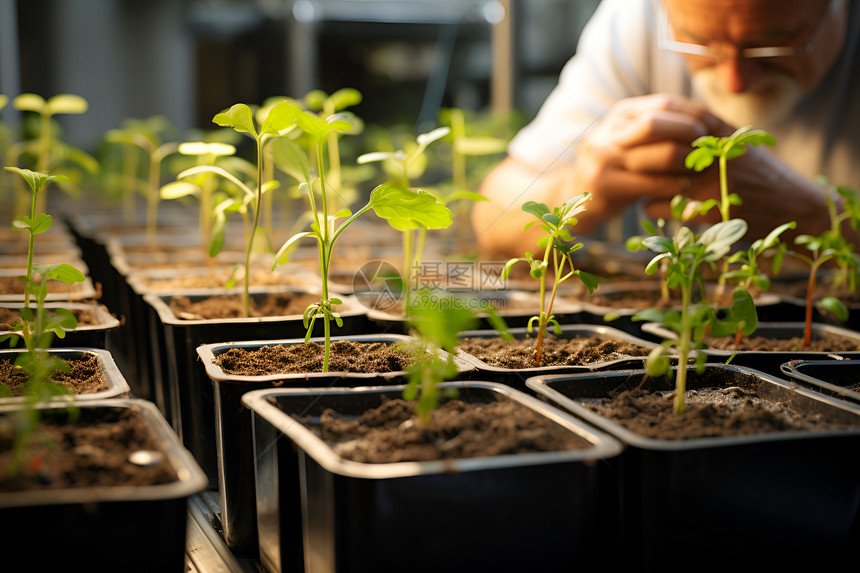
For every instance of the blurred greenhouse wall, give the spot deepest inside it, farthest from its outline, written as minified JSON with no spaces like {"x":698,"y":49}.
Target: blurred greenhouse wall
{"x":189,"y":59}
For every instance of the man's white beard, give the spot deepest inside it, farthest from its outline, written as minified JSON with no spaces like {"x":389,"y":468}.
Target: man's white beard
{"x":769,"y":100}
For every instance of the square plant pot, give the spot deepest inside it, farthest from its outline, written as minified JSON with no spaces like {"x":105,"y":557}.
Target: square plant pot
{"x":318,"y":511}
{"x":111,"y":524}
{"x":117,"y":386}
{"x":190,"y":390}
{"x":516,"y":377}
{"x":778,"y":498}
{"x":93,"y":333}
{"x":837,"y":378}
{"x":770,"y":361}
{"x":233,"y":431}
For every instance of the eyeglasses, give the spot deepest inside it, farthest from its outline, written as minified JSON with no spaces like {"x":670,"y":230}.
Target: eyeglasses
{"x":666,"y":40}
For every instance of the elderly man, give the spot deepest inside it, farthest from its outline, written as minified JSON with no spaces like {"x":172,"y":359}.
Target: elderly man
{"x":650,"y":76}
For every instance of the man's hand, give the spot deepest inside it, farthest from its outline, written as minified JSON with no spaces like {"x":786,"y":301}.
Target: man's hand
{"x":638,"y":150}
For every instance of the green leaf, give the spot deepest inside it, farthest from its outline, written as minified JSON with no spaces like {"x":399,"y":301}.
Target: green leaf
{"x":62,"y":272}
{"x":177,"y":189}
{"x":66,"y":103}
{"x":239,"y":117}
{"x":282,"y":256}
{"x":699,"y":159}
{"x":280,"y":118}
{"x":836,"y":306}
{"x":381,"y":156}
{"x":35,"y":179}
{"x":535,"y":208}
{"x":426,"y":139}
{"x":203,"y":148}
{"x":291,"y":159}
{"x":589,"y":280}
{"x":344,"y":98}
{"x":29,"y":102}
{"x":406,"y":209}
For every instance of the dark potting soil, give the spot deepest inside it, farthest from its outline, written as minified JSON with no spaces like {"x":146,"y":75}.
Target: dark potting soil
{"x":818,"y":343}
{"x":14,"y":285}
{"x":519,"y":353}
{"x":230,"y":306}
{"x":711,"y":411}
{"x":91,"y":450}
{"x":345,"y":356}
{"x":217,"y":278}
{"x":84,"y":376}
{"x":84,"y":316}
{"x":392,"y":433}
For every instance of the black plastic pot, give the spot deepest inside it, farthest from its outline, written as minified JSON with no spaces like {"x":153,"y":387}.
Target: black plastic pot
{"x":770,"y":362}
{"x":775,"y":499}
{"x":233,"y":425}
{"x":191,"y":398}
{"x":837,"y":378}
{"x":85,"y":335}
{"x":117,"y":385}
{"x":122,"y":528}
{"x":516,"y":377}
{"x":317,"y":511}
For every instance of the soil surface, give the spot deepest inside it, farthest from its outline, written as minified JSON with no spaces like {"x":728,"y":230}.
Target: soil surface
{"x":230,"y":305}
{"x":84,"y":376}
{"x":392,"y":433}
{"x":346,"y":356}
{"x":818,"y":343}
{"x":92,"y":450}
{"x":84,"y":316}
{"x":217,"y":279}
{"x":578,"y":350}
{"x":14,"y":285}
{"x":717,"y":410}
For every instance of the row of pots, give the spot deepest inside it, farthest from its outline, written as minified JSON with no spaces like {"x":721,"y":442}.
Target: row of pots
{"x":117,"y":527}
{"x":203,"y":407}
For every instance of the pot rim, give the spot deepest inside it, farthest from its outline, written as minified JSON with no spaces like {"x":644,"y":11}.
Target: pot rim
{"x":603,"y":445}
{"x":541,"y":385}
{"x":190,"y":477}
{"x":117,"y":384}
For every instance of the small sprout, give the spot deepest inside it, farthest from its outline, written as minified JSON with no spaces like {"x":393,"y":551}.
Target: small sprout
{"x":680,"y":257}
{"x":558,"y":245}
{"x":37,"y":328}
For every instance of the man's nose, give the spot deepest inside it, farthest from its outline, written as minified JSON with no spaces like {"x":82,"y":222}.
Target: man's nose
{"x":737,"y":74}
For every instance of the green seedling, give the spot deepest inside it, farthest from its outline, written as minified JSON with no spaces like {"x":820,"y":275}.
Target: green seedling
{"x":558,"y":244}
{"x":750,"y":275}
{"x":202,"y":186}
{"x":436,"y":324}
{"x":145,"y":135}
{"x":328,"y":105}
{"x":821,"y":251}
{"x":402,"y":208}
{"x":405,"y":165}
{"x":37,"y":328}
{"x":684,"y":254}
{"x":48,"y":150}
{"x":277,"y":122}
{"x":834,"y":236}
{"x":707,"y":149}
